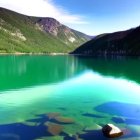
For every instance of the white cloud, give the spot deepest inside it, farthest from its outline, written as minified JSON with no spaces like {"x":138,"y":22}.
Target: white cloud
{"x":42,"y":8}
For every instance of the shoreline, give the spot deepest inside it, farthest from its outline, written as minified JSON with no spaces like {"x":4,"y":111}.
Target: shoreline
{"x":69,"y":54}
{"x":18,"y":53}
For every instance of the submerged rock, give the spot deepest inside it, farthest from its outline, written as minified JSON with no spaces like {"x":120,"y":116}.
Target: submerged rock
{"x":61,"y":119}
{"x":111,"y":131}
{"x":54,"y":129}
{"x":52,"y":115}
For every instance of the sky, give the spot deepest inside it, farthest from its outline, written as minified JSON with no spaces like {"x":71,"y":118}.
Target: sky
{"x":92,"y":17}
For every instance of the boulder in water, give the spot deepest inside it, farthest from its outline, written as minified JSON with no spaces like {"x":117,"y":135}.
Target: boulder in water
{"x":111,"y":131}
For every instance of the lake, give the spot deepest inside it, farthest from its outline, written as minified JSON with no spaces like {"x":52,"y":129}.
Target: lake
{"x":66,"y":97}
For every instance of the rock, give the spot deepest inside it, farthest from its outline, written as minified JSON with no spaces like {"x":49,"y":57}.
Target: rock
{"x":54,"y":129}
{"x":52,"y":115}
{"x":111,"y":131}
{"x":61,"y":119}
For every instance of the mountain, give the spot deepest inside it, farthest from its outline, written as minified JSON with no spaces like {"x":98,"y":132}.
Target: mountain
{"x":118,"y":43}
{"x":20,"y":33}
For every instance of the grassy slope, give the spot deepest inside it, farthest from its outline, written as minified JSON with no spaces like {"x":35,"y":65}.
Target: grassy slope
{"x":37,"y":41}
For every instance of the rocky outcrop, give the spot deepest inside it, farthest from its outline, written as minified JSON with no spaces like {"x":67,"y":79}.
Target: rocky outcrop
{"x":50,"y":25}
{"x":11,"y":31}
{"x":111,"y":131}
{"x":66,"y":34}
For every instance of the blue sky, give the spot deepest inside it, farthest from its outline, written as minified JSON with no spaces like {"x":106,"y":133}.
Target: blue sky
{"x":104,"y":15}
{"x":89,"y":16}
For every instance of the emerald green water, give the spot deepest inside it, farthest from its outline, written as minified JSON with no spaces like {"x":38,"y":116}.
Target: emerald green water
{"x":91,"y":91}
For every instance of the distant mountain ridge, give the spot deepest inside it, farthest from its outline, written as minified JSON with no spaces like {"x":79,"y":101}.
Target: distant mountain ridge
{"x":118,"y":43}
{"x":20,"y":33}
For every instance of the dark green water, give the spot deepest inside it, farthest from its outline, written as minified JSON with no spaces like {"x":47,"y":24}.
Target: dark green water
{"x":91,"y":91}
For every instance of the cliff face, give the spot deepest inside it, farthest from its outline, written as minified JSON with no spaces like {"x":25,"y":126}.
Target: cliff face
{"x":20,"y":33}
{"x":49,"y":25}
{"x":64,"y":33}
{"x":118,"y":43}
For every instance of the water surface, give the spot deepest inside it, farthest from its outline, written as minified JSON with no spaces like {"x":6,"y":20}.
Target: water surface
{"x":90,"y":91}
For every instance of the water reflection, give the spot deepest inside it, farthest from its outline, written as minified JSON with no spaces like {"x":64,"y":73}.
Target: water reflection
{"x":24,"y":71}
{"x":127,"y":68}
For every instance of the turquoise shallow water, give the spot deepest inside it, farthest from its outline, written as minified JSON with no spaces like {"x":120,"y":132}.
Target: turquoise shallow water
{"x":92,"y":92}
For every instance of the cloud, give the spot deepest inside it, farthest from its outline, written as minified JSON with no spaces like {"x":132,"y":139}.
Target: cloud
{"x":42,"y":8}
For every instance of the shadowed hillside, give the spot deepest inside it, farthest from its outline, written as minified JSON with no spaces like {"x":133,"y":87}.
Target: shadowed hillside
{"x":118,"y":43}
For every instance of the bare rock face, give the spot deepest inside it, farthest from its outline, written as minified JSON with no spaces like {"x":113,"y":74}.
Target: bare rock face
{"x":64,"y":33}
{"x":50,"y":25}
{"x":55,"y":28}
{"x":111,"y":131}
